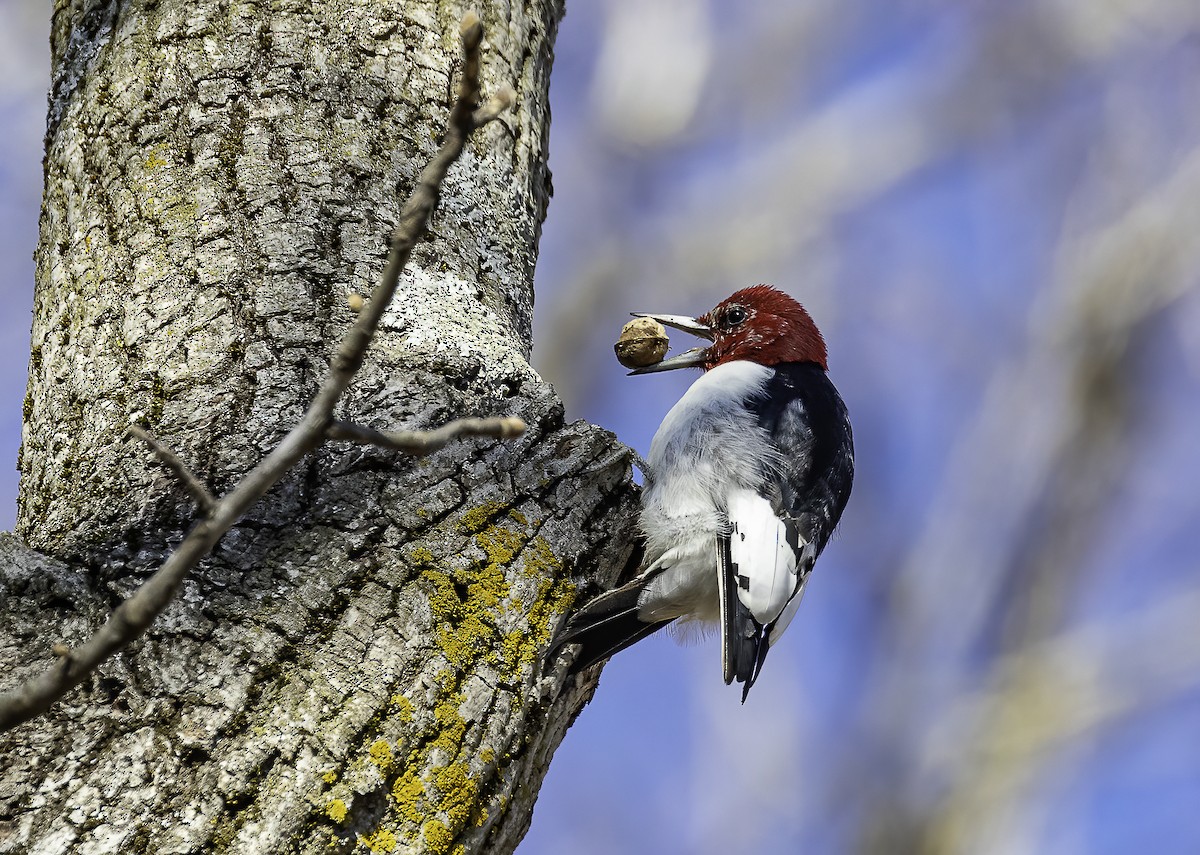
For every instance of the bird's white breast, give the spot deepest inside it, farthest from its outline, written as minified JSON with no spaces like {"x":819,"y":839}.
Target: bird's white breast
{"x":708,"y":446}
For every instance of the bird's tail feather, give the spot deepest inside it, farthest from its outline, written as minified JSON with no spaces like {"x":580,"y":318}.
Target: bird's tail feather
{"x":744,"y":645}
{"x":605,"y":626}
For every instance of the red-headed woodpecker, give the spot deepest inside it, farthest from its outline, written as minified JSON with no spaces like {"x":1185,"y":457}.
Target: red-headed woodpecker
{"x":747,"y":478}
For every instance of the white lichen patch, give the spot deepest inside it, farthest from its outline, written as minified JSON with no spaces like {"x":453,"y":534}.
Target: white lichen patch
{"x":445,"y":314}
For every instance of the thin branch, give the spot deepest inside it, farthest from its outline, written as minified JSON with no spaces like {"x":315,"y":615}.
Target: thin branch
{"x":133,"y":616}
{"x":421,"y":442}
{"x":496,"y":105}
{"x":204,"y":499}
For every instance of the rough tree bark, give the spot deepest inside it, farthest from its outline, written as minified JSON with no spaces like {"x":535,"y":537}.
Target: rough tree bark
{"x":357,"y":667}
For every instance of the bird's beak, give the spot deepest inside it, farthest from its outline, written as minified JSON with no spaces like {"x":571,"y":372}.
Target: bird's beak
{"x":693,"y":358}
{"x":680,"y":322}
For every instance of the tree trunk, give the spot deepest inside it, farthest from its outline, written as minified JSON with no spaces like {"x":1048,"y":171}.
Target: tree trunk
{"x":358,"y":665}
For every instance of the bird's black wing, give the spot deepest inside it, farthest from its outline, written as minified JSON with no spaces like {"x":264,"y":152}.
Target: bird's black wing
{"x":778,"y":531}
{"x":810,"y":427}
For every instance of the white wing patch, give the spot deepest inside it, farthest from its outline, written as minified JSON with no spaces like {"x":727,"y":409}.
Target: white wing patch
{"x":789,"y":612}
{"x":766,"y":561}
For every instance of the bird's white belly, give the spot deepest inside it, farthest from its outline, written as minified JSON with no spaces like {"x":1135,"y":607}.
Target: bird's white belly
{"x":687,"y":588}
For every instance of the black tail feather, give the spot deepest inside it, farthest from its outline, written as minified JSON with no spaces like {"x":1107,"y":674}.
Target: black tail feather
{"x":600,"y":646}
{"x":743,"y":642}
{"x":760,"y":656}
{"x":605,"y":626}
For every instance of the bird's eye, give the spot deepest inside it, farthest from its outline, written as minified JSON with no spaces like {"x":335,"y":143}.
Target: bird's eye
{"x":735,"y":315}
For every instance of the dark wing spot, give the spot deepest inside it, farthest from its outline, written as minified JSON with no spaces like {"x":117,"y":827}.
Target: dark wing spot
{"x":791,"y":530}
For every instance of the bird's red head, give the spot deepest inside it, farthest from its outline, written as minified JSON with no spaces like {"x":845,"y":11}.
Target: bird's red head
{"x":758,"y":324}
{"x":764,"y":325}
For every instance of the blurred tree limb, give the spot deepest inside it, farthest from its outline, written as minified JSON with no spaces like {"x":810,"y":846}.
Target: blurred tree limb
{"x":1017,"y":546}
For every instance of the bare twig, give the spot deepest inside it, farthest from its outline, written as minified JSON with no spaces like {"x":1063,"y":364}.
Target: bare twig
{"x":496,"y":105}
{"x":421,"y":442}
{"x":133,"y":616}
{"x":204,"y":499}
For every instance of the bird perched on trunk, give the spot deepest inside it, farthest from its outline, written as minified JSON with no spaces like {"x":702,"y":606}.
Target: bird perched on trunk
{"x":748,"y":476}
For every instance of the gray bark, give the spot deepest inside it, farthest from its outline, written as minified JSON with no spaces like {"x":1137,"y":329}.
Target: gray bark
{"x":358,"y":665}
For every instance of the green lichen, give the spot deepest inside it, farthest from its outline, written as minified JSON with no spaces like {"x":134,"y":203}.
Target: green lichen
{"x":158,"y":399}
{"x":181,"y":210}
{"x":223,"y":836}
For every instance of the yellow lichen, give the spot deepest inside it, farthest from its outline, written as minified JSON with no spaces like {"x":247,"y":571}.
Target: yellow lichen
{"x":476,"y":518}
{"x":336,"y":810}
{"x":458,"y":793}
{"x":155,"y":159}
{"x":380,"y":754}
{"x":382,"y":840}
{"x":511,"y":647}
{"x":478,"y":616}
{"x":554,"y":597}
{"x":330,"y":777}
{"x":453,"y":727}
{"x":438,"y":837}
{"x":409,"y":793}
{"x":466,"y":613}
{"x":500,"y":544}
{"x":405,"y":707}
